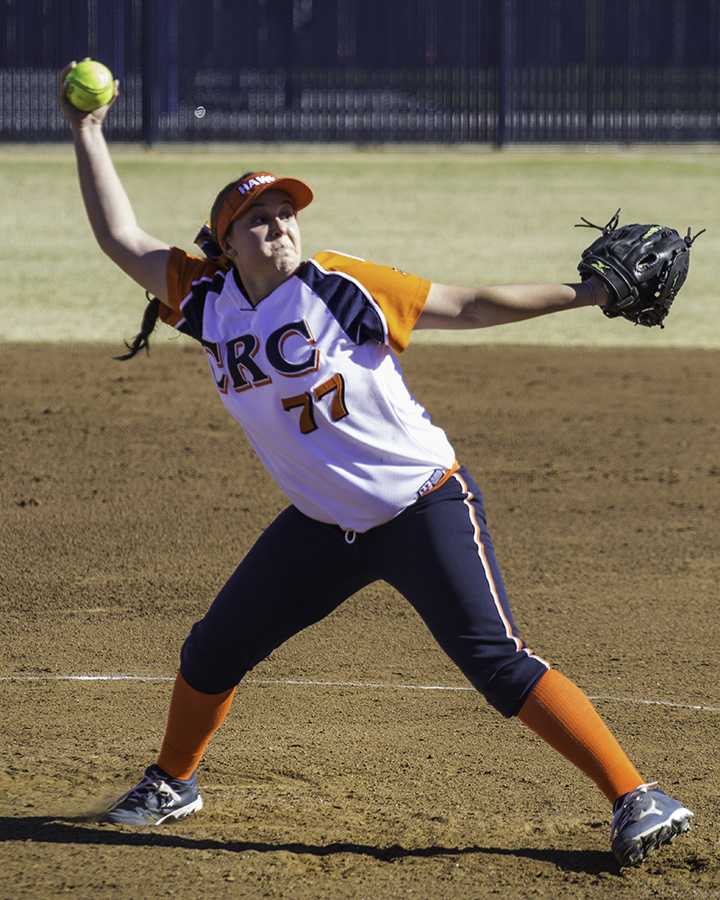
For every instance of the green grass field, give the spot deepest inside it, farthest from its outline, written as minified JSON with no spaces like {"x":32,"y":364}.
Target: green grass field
{"x":462,"y":216}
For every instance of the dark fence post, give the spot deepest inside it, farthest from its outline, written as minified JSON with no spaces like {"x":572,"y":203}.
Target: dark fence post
{"x":590,"y":64}
{"x":285,"y":30}
{"x":148,"y":73}
{"x":507,"y":61}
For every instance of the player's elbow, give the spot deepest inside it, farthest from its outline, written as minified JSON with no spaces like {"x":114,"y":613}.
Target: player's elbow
{"x":475,"y":314}
{"x":112,"y":243}
{"x":448,"y":307}
{"x":144,"y":261}
{"x":117,"y":240}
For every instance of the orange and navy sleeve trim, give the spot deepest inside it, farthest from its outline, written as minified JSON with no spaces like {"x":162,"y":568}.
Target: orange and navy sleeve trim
{"x":399,"y":296}
{"x":189,"y":279}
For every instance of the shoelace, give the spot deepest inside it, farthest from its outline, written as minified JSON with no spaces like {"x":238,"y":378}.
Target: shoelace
{"x":151,"y":786}
{"x":625,"y":811}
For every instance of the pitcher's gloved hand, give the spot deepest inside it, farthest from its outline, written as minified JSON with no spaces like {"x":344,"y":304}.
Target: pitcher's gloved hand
{"x":644,"y":267}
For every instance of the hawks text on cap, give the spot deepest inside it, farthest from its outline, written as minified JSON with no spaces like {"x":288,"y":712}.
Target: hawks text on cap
{"x":238,"y":196}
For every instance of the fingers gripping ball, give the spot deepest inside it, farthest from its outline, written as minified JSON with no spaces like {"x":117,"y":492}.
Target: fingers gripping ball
{"x":89,"y":85}
{"x":644,"y":267}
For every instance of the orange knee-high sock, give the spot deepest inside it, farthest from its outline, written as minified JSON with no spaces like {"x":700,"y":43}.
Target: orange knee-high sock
{"x":563,"y":716}
{"x":193,"y":719}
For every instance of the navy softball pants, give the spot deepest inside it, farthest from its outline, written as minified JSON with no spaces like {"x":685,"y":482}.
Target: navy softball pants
{"x":437,"y":553}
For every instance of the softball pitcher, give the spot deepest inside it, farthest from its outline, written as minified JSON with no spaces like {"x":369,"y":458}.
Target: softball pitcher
{"x":304,"y":354}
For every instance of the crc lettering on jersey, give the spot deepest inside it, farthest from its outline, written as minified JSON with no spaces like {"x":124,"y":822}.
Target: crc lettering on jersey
{"x":234,"y":361}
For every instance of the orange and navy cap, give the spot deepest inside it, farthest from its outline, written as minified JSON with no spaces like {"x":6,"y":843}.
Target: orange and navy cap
{"x":240,"y":194}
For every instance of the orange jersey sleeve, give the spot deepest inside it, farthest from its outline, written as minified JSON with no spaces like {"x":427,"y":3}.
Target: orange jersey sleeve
{"x":184,"y":274}
{"x":400,"y":296}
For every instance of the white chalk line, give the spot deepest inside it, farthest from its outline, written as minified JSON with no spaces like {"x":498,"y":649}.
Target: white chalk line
{"x":367,"y":685}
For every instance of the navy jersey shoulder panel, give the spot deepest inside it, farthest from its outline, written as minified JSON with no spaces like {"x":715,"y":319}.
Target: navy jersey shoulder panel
{"x":350,"y":307}
{"x":192,"y":310}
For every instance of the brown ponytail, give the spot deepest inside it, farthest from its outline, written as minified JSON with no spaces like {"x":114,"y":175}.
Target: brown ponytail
{"x":207,"y":240}
{"x":142,"y":339}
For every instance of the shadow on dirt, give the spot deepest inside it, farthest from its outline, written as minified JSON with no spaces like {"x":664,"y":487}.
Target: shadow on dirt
{"x":47,"y":830}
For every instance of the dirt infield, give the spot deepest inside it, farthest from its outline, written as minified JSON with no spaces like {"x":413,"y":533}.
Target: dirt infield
{"x":127,"y":496}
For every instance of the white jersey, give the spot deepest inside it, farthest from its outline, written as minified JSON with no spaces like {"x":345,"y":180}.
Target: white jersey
{"x":311,"y":374}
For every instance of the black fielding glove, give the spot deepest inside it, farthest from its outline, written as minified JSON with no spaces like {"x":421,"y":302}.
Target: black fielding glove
{"x":644,"y":267}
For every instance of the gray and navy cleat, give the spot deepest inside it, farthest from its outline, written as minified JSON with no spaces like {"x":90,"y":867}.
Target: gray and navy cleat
{"x":643,"y":820}
{"x":156,"y":799}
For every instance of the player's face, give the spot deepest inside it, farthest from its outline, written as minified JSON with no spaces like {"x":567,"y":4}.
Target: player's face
{"x":265,"y":239}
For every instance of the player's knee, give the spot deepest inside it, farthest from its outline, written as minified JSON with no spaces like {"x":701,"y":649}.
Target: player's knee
{"x":506,"y":687}
{"x":211,"y":665}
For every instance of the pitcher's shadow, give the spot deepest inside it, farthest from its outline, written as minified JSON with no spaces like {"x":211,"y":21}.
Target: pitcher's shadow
{"x":80,"y":830}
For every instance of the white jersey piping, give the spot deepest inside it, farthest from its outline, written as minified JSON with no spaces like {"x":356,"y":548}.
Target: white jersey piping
{"x":477,"y":536}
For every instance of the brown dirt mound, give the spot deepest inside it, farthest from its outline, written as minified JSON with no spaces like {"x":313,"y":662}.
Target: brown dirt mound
{"x":127,"y":496}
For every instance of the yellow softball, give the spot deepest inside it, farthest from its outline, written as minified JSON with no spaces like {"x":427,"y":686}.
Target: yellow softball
{"x":89,"y":85}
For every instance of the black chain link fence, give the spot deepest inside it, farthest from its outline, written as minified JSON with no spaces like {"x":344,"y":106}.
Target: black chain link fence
{"x":498,"y":71}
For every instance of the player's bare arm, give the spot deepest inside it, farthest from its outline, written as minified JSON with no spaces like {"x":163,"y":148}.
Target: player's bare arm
{"x":140,"y":255}
{"x":449,"y":306}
